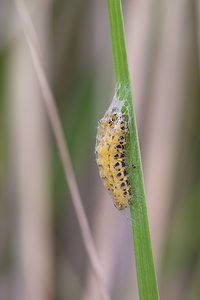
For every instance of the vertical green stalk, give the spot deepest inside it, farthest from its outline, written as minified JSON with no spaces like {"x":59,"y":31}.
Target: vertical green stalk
{"x":146,"y":276}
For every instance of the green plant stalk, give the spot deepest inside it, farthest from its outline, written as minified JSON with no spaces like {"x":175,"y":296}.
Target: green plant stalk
{"x":146,"y":276}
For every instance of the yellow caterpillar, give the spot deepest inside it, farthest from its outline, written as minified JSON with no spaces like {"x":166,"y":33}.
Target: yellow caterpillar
{"x":111,"y":156}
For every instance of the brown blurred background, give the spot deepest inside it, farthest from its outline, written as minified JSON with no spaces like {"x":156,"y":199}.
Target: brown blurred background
{"x":42,"y":255}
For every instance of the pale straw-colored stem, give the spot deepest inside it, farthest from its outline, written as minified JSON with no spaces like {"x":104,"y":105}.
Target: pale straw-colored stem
{"x":28,"y":29}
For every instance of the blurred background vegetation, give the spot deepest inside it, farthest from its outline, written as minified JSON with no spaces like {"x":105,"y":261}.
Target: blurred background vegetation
{"x":42,"y":255}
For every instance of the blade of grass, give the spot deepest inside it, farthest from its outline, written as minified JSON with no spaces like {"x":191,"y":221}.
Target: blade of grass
{"x":55,"y":122}
{"x":146,"y":276}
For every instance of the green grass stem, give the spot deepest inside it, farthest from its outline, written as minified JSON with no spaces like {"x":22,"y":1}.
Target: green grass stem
{"x":146,"y":276}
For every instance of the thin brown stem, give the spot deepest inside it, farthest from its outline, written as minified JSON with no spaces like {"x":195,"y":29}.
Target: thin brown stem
{"x":55,"y":122}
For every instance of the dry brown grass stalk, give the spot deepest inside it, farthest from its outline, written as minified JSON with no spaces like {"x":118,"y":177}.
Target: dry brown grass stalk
{"x":49,"y":100}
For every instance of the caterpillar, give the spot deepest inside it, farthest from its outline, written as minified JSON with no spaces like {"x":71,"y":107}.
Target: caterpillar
{"x":111,"y":155}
